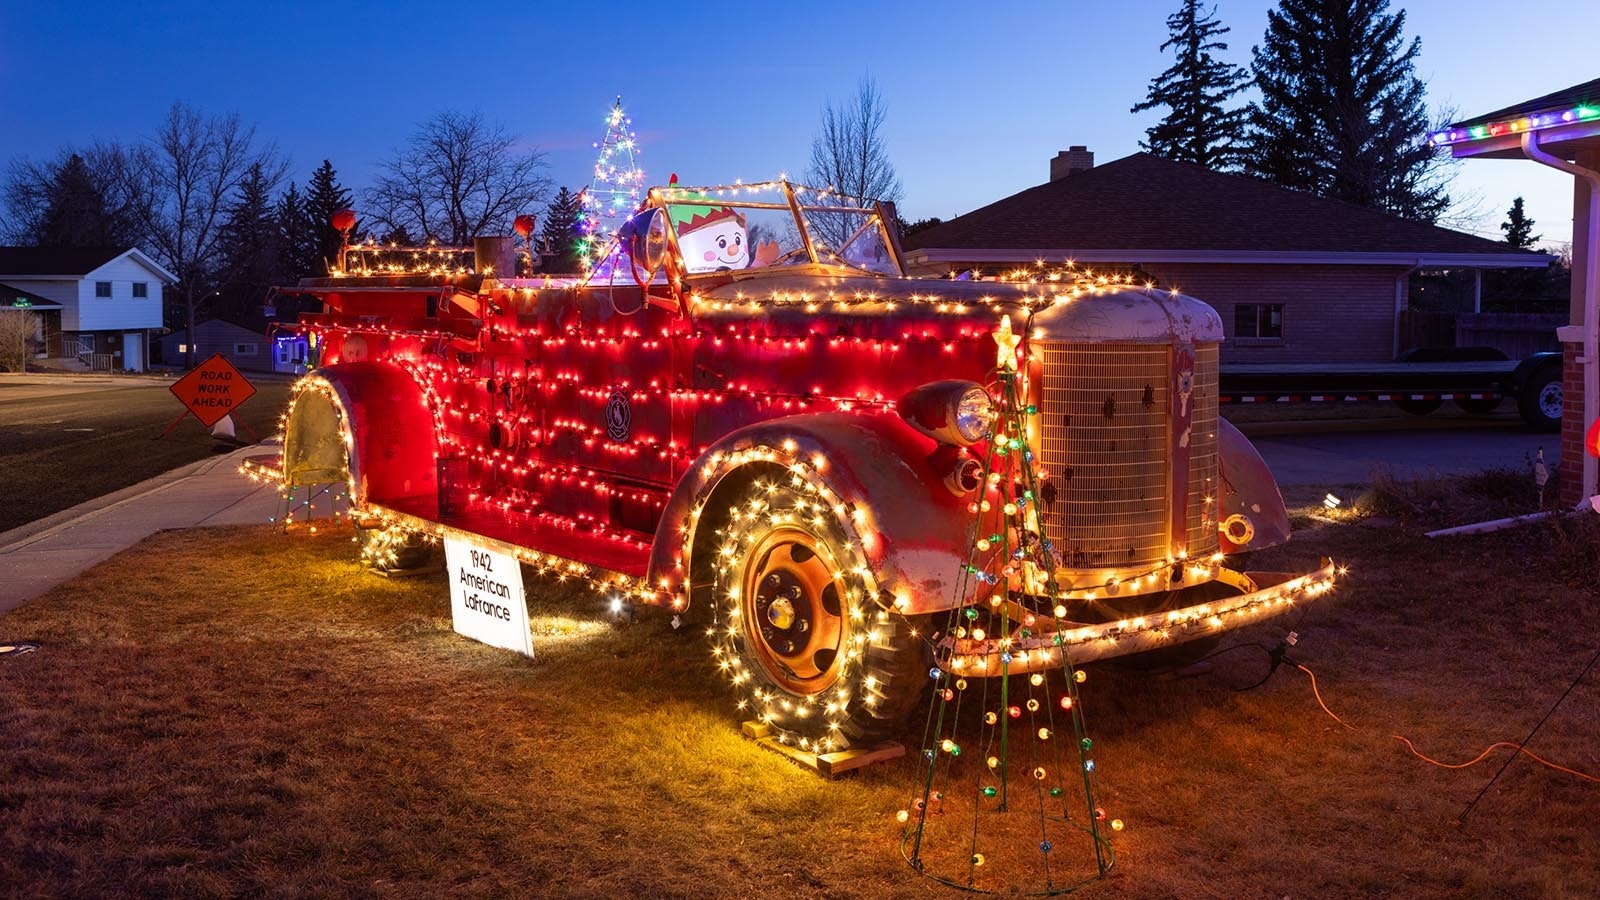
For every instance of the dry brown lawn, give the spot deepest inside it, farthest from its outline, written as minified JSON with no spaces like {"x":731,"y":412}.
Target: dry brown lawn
{"x":241,"y":712}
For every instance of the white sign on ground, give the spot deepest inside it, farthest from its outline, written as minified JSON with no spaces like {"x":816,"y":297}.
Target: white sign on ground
{"x":486,"y":599}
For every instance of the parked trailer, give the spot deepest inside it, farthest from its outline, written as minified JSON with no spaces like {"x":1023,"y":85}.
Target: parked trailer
{"x":1414,"y":383}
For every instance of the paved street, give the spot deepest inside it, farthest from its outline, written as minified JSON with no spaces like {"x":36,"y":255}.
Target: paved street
{"x":1334,"y":452}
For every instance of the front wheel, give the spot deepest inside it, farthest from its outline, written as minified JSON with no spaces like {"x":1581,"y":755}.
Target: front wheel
{"x":799,"y":629}
{"x":1539,"y":401}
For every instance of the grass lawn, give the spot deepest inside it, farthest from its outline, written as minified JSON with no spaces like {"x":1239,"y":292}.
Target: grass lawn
{"x":237,"y":711}
{"x":64,"y":440}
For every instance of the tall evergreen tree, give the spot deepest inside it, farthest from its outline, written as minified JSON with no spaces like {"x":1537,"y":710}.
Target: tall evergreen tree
{"x":297,"y":253}
{"x":76,"y":214}
{"x":1341,"y":112}
{"x":249,"y":246}
{"x":324,"y":197}
{"x":560,"y":234}
{"x":1518,"y":227}
{"x":1197,"y":128}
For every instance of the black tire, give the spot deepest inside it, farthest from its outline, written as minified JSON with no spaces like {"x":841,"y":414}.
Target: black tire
{"x":798,"y":625}
{"x":1539,"y":401}
{"x":392,"y":549}
{"x":1478,"y":407}
{"x":1417,"y":407}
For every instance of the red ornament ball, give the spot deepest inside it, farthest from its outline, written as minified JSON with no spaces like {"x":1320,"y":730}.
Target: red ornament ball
{"x":523,"y":224}
{"x":343,"y":220}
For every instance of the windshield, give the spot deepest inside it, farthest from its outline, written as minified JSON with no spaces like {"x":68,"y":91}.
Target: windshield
{"x":738,"y":227}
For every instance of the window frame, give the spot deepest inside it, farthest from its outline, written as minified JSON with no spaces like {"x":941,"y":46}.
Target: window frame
{"x":1260,"y":314}
{"x":106,"y":286}
{"x":242,"y":349}
{"x":141,"y":290}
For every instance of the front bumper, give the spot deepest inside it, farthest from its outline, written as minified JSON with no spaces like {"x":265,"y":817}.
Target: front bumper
{"x":1266,"y":594}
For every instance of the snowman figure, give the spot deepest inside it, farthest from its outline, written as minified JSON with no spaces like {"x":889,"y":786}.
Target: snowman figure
{"x":711,"y":238}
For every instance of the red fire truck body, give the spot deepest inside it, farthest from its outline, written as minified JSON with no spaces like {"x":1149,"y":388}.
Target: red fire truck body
{"x":787,"y":450}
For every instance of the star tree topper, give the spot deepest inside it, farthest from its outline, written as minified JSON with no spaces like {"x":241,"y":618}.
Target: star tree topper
{"x":1006,"y":358}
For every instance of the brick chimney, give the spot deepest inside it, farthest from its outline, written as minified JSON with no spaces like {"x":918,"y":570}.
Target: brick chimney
{"x":1071,"y":161}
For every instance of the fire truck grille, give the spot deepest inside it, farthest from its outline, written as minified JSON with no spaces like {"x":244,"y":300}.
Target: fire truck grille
{"x":1105,"y":416}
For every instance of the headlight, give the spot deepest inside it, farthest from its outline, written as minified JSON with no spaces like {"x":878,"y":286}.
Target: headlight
{"x":972,"y":414}
{"x":951,"y":412}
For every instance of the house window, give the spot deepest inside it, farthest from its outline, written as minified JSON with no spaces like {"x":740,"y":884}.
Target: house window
{"x":244,"y":349}
{"x":1258,"y":320}
{"x":141,"y":290}
{"x":102,"y":288}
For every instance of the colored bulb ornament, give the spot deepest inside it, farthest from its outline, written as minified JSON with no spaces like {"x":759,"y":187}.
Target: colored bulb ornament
{"x":1041,"y":831}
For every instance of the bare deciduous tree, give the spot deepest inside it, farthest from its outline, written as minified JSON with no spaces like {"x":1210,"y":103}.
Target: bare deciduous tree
{"x":106,"y":185}
{"x":19,"y":331}
{"x":849,"y":155}
{"x":458,"y":177}
{"x":197,"y":163}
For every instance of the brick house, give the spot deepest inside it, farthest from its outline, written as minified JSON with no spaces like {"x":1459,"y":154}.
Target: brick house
{"x":1295,"y":277}
{"x":1560,"y":130}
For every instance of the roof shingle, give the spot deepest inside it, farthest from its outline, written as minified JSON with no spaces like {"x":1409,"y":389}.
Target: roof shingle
{"x":55,"y":260}
{"x":1144,"y":202}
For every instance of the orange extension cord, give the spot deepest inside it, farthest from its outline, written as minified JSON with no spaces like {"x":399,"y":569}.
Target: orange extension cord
{"x":1414,"y":752}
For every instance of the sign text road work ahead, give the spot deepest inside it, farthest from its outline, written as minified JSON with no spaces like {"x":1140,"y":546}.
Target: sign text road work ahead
{"x":212,"y":390}
{"x":486,"y":599}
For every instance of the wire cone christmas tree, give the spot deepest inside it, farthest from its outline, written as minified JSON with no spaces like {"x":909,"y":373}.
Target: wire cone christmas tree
{"x":612,"y":195}
{"x":1014,"y":809}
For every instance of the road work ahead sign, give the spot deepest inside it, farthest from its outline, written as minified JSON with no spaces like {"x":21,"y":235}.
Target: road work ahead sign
{"x":212,"y":390}
{"x":486,"y":599}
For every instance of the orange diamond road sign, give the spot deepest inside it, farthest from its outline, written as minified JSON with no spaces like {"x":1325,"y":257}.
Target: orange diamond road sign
{"x":213,"y":389}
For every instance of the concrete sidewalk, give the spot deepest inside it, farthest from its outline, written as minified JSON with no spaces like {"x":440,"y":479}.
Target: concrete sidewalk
{"x":40,"y":555}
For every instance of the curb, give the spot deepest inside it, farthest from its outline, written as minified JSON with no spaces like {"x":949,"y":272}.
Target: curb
{"x":42,"y":528}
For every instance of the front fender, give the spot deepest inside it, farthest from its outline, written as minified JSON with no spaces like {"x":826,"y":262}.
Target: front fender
{"x":911,"y":528}
{"x":1248,"y":490}
{"x":367,"y":423}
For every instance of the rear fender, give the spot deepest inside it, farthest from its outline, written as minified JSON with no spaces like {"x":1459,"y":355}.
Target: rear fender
{"x":1248,"y":491}
{"x":912,"y":536}
{"x":365,"y":423}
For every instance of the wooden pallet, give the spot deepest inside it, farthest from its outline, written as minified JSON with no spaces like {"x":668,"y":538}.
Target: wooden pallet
{"x":828,"y":765}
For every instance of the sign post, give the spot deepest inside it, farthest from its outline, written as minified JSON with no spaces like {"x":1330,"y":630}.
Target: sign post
{"x":212,"y":390}
{"x":486,"y":599}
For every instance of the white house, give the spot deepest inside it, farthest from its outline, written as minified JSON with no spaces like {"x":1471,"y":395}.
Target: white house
{"x":110,"y":300}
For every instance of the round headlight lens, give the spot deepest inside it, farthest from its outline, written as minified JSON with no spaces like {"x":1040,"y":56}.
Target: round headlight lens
{"x":972,"y":414}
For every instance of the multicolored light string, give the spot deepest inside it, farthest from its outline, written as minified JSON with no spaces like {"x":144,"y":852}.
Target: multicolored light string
{"x":1533,"y":122}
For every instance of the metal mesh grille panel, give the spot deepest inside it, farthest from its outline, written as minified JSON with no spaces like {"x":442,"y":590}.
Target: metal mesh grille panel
{"x":1105,"y":412}
{"x":1202,"y":521}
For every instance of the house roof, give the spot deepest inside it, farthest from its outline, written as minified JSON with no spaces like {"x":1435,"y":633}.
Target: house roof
{"x":1143,"y":208}
{"x":17,"y":298}
{"x":1585,"y":94}
{"x":70,"y":262}
{"x":1563,"y":123}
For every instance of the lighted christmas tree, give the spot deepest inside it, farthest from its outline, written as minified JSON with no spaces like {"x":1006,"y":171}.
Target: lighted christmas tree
{"x":613,"y":194}
{"x":1009,"y":777}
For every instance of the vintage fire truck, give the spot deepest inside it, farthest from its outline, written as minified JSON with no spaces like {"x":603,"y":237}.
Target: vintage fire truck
{"x":752,"y":416}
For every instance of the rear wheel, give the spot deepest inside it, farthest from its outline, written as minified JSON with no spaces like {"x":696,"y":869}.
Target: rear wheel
{"x":799,"y":629}
{"x":391,"y":549}
{"x":1539,"y":402}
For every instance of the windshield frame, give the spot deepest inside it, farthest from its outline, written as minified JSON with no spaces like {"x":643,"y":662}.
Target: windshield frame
{"x":873,"y":213}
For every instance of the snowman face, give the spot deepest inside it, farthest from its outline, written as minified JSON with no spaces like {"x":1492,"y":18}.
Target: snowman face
{"x":720,"y":245}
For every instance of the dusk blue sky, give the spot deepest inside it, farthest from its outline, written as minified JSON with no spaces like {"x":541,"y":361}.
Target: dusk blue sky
{"x":980,"y":95}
